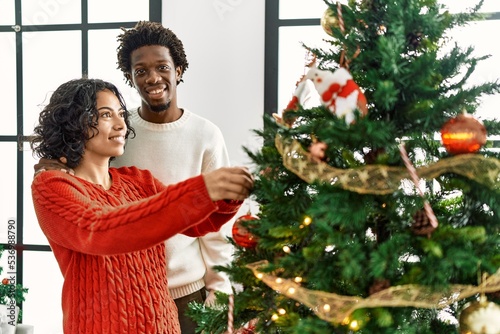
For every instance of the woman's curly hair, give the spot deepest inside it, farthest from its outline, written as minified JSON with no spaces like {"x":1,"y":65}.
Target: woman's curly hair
{"x":69,"y":120}
{"x":149,"y":33}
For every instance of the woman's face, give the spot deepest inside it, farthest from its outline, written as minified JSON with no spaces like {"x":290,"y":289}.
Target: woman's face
{"x":110,"y":140}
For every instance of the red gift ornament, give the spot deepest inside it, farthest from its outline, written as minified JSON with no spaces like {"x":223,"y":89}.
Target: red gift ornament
{"x":463,"y":134}
{"x":241,"y":234}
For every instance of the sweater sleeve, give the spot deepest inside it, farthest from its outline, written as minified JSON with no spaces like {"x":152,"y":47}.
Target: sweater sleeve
{"x":70,"y":216}
{"x":224,"y":212}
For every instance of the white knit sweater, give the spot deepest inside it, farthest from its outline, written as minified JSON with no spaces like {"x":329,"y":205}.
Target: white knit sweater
{"x":174,"y":152}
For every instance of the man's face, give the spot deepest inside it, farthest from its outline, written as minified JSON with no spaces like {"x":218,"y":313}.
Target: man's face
{"x":155,"y":76}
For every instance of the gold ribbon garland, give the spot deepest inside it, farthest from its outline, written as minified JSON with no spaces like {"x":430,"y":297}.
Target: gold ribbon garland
{"x":380,"y":179}
{"x":337,"y":308}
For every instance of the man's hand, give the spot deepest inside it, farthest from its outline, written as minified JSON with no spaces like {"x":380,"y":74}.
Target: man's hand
{"x":230,"y":183}
{"x":211,"y":298}
{"x":53,"y":164}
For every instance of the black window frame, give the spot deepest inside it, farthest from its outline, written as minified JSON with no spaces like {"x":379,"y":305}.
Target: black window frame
{"x":155,"y":14}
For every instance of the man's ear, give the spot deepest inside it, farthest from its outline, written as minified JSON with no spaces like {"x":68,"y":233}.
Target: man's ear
{"x":178,"y":74}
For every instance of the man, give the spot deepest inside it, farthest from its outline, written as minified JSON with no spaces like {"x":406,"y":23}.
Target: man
{"x":174,"y":144}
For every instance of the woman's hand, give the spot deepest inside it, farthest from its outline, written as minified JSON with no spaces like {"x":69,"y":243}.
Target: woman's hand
{"x":230,"y":183}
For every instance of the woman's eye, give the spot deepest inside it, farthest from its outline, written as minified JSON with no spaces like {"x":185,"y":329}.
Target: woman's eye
{"x":123,"y":114}
{"x":105,"y":115}
{"x":165,"y":67}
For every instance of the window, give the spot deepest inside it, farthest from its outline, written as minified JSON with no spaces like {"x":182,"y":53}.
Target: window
{"x":290,"y":22}
{"x":49,"y":42}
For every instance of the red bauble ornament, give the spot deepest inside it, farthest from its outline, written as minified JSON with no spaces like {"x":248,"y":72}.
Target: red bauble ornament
{"x":241,"y":234}
{"x":5,"y":281}
{"x":463,"y":134}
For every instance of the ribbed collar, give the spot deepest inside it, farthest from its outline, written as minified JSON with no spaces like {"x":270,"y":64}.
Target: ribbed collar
{"x":138,"y":121}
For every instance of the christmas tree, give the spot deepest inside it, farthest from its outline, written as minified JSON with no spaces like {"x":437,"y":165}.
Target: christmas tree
{"x":379,"y":208}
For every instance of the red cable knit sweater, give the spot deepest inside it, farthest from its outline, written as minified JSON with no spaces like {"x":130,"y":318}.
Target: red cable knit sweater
{"x":109,"y":245}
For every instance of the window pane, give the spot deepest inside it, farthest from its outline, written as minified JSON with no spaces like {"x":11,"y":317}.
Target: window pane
{"x":8,"y":152}
{"x":486,"y":70}
{"x":7,"y":12}
{"x":32,"y":232}
{"x":300,"y":9}
{"x":103,"y":63}
{"x":45,"y":71}
{"x":107,"y":11}
{"x":456,"y":6}
{"x":303,"y":9}
{"x":36,"y":12}
{"x":7,"y":85}
{"x":43,"y":278}
{"x":491,"y":6}
{"x":292,"y":57}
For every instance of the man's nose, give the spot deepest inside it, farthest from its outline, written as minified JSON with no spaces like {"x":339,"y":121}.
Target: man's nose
{"x":153,"y":77}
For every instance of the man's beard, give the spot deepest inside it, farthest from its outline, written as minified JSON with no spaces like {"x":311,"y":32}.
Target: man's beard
{"x":160,"y":107}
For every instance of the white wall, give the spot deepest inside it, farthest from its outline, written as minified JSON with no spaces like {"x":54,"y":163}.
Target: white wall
{"x":224,"y":43}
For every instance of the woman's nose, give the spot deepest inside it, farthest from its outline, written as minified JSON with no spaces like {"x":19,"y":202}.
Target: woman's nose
{"x":119,"y":123}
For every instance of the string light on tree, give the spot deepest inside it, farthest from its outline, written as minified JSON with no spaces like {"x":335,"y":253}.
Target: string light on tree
{"x":306,"y":222}
{"x":353,"y":324}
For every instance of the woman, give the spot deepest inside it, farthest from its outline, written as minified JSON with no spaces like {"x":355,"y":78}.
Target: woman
{"x":107,"y":226}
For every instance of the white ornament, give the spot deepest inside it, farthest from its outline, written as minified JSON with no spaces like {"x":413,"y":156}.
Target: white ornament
{"x":480,"y":318}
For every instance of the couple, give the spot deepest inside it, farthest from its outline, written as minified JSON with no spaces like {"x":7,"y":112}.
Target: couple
{"x":106,"y":226}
